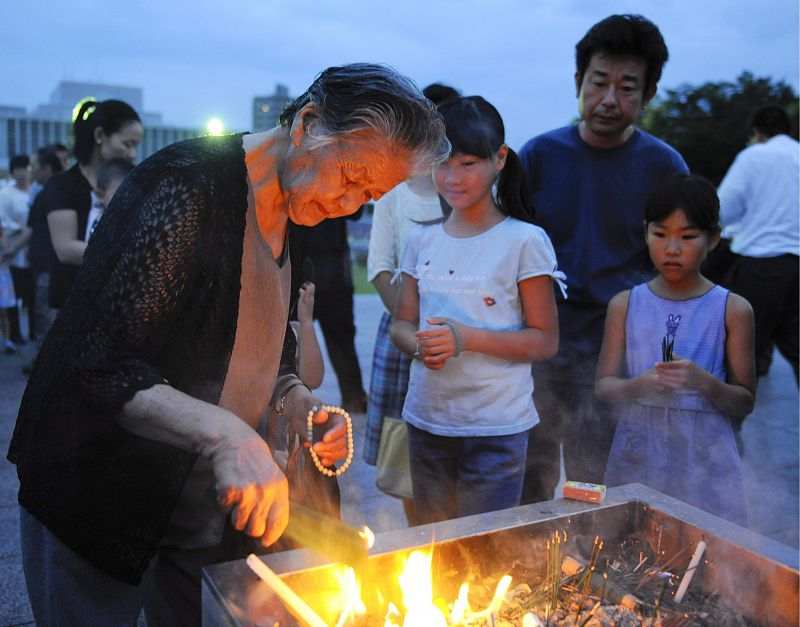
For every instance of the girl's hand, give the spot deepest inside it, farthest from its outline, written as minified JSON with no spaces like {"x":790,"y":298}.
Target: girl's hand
{"x":649,"y":382}
{"x":681,"y":373}
{"x":437,"y":344}
{"x":305,"y":303}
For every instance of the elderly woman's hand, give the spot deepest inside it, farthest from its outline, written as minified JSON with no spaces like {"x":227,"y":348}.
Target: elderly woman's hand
{"x":249,"y":483}
{"x":333,"y":445}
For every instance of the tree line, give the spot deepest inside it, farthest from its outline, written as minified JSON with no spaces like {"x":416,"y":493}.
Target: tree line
{"x":707,"y":124}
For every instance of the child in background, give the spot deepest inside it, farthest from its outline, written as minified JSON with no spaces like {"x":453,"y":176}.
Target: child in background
{"x":310,"y":366}
{"x":8,"y":297}
{"x":678,"y":352}
{"x":476,"y":306}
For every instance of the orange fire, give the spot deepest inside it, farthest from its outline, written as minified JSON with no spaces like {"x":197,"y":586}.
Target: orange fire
{"x":419,"y":606}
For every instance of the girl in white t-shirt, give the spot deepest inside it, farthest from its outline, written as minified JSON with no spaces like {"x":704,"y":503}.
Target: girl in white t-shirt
{"x":476,"y":308}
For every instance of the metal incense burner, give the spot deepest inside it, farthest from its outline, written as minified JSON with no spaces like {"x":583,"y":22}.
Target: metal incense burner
{"x":754,"y":575}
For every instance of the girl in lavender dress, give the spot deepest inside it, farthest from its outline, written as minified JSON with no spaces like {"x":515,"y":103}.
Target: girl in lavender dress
{"x":678,"y":354}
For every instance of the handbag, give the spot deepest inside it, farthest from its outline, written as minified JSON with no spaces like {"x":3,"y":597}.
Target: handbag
{"x":393,"y":467}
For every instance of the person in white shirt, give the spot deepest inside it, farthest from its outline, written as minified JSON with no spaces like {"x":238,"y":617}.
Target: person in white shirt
{"x":14,"y":199}
{"x":760,"y":194}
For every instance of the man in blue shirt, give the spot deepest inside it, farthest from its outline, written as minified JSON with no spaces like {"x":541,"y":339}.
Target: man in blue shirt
{"x":589,"y":184}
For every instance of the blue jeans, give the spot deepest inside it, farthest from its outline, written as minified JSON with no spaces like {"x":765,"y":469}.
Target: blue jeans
{"x":65,"y":589}
{"x":461,"y":476}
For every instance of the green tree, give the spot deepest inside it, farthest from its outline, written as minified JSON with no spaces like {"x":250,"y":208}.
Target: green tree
{"x":707,"y":124}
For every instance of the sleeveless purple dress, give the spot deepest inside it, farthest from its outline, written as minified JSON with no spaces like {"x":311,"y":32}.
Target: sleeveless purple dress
{"x":678,"y":442}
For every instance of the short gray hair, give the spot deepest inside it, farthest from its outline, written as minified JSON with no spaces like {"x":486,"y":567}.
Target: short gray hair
{"x":376,"y":98}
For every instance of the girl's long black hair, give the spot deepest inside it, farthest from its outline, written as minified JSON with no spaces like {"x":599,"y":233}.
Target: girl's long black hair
{"x":474,"y":127}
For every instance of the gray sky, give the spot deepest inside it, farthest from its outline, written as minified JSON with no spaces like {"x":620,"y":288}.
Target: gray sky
{"x":209,"y":58}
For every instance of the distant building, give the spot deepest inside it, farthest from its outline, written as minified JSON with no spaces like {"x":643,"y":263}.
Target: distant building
{"x":7,"y":111}
{"x":22,"y":132}
{"x":267,"y":109}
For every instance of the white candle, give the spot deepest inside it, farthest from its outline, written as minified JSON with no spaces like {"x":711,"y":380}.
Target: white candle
{"x":687,"y":577}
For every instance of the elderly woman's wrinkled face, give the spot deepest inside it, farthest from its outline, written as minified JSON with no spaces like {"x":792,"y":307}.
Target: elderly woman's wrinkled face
{"x":334,"y":179}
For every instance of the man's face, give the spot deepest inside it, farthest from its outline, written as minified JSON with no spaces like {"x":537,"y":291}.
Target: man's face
{"x":611,"y":96}
{"x":21,"y":176}
{"x":63,"y":156}
{"x":41,"y":174}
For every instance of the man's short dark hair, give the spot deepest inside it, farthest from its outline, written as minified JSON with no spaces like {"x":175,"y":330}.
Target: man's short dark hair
{"x":770,"y":120}
{"x":47,"y":157}
{"x":625,"y":35}
{"x":18,"y":161}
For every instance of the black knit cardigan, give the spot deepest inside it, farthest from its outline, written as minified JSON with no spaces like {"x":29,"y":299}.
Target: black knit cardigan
{"x":155,"y":301}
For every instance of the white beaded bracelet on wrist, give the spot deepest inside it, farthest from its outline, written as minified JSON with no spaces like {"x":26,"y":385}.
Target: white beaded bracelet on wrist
{"x":331,"y":409}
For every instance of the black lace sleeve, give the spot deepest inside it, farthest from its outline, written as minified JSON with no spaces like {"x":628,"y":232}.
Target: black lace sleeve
{"x":145,"y":282}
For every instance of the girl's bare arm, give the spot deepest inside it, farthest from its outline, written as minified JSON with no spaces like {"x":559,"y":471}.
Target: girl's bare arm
{"x":406,"y":316}
{"x":386,"y":290}
{"x":609,"y":384}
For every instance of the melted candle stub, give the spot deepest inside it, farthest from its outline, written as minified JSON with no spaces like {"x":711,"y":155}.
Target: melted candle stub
{"x":591,"y":492}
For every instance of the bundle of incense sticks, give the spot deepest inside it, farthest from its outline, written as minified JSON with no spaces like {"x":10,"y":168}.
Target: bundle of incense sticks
{"x":666,"y":348}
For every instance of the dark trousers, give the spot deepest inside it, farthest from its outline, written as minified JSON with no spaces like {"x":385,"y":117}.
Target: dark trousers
{"x":23,"y":288}
{"x":334,"y":311}
{"x":771,"y":286}
{"x":569,"y":415}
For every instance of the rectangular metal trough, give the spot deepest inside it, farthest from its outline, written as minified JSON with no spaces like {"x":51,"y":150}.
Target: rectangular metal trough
{"x":755,"y":576}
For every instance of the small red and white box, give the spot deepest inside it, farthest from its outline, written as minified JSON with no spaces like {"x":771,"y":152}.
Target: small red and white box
{"x":580,"y":491}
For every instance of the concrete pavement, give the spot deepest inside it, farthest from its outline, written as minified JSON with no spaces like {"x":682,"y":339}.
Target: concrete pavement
{"x":770,"y":437}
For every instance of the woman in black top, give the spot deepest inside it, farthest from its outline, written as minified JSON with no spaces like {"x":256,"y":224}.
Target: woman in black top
{"x":102,"y":131}
{"x":136,"y":435}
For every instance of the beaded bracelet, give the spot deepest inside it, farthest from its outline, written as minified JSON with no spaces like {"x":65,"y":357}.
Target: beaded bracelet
{"x":323,"y":469}
{"x":282,"y":403}
{"x":456,"y":334}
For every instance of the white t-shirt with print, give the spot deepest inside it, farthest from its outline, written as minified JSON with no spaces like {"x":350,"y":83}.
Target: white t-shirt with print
{"x":474,"y":280}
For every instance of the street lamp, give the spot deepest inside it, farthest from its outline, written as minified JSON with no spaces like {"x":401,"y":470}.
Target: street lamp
{"x":215,"y":126}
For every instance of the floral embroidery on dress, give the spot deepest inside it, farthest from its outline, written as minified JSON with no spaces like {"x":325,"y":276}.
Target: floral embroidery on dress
{"x":668,"y":341}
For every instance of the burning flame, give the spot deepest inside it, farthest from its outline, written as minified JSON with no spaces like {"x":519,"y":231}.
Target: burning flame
{"x":416,"y":584}
{"x":369,"y":537}
{"x":352,"y":605}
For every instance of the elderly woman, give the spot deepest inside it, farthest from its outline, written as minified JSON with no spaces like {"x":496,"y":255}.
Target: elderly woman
{"x":135,"y":444}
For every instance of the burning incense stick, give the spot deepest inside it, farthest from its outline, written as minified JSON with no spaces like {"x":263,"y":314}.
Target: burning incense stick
{"x":298,"y":607}
{"x":687,"y":577}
